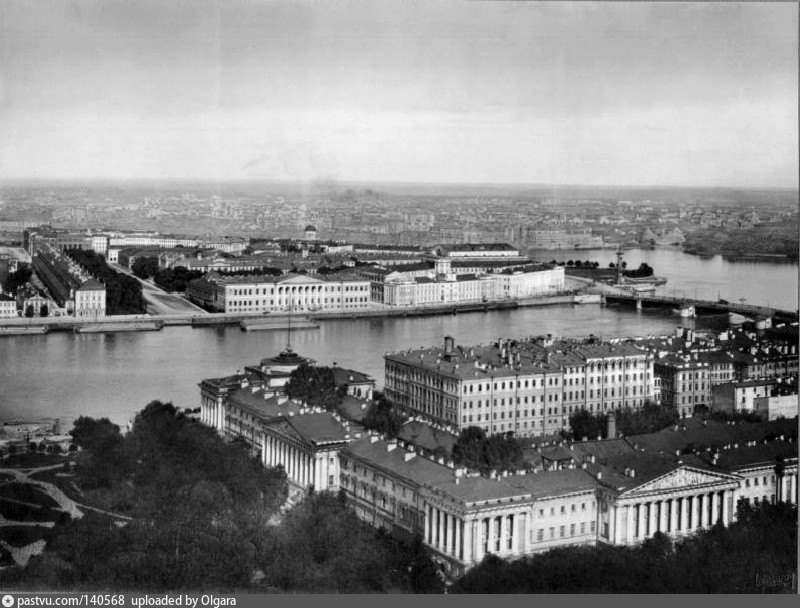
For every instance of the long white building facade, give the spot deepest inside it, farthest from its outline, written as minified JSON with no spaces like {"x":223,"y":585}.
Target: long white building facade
{"x":265,"y":294}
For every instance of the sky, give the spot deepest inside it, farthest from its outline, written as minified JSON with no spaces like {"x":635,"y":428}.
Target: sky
{"x":663,"y":94}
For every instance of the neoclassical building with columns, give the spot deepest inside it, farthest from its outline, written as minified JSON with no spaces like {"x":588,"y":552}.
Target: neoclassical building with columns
{"x":307,"y":445}
{"x":604,"y":492}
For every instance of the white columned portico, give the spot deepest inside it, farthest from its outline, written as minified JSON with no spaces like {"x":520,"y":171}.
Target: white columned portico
{"x":440,"y":537}
{"x":450,"y":520}
{"x":715,"y":516}
{"x":641,"y":532}
{"x":652,"y":518}
{"x":458,"y":551}
{"x":467,"y":541}
{"x":725,"y":515}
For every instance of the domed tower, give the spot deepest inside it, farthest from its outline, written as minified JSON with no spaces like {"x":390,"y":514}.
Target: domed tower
{"x":311,"y":233}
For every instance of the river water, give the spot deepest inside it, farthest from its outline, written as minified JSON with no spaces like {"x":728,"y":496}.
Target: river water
{"x":115,"y":375}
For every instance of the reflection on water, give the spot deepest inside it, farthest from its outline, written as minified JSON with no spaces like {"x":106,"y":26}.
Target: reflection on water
{"x":65,"y":375}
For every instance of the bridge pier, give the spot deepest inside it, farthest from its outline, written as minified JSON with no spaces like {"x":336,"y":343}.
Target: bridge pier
{"x":638,"y":304}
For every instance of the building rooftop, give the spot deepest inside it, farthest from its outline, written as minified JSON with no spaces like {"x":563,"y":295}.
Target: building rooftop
{"x":473,"y":489}
{"x":258,"y":406}
{"x":427,"y":437}
{"x":318,"y":427}
{"x":476,"y":247}
{"x":343,"y":376}
{"x":418,"y":470}
{"x":693,"y":432}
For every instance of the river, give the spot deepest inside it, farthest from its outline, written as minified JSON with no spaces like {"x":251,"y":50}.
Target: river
{"x":115,"y":375}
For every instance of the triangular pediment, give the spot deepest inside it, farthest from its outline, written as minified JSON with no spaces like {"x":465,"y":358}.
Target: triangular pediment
{"x":682,"y":478}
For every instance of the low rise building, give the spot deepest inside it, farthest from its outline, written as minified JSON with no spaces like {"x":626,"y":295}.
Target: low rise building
{"x":8,"y":307}
{"x":734,"y":397}
{"x":772,"y":407}
{"x":266,"y":294}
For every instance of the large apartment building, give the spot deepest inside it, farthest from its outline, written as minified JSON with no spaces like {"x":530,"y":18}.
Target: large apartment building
{"x":526,"y":388}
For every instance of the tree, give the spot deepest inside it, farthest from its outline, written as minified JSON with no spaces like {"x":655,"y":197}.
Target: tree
{"x":17,"y":279}
{"x":316,"y":386}
{"x":381,"y":417}
{"x":144,"y":268}
{"x":29,"y":311}
{"x":44,"y":310}
{"x":475,"y":450}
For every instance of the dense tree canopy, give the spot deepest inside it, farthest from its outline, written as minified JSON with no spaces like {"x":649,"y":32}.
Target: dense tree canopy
{"x":382,"y":417}
{"x":719,"y":560}
{"x":322,"y":546}
{"x":198,"y":506}
{"x":650,"y":418}
{"x":315,"y":386}
{"x":123,"y":293}
{"x":176,"y":279}
{"x":17,"y":279}
{"x":475,"y":450}
{"x":643,"y":271}
{"x":144,"y":268}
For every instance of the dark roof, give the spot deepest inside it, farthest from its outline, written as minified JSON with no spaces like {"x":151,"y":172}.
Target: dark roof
{"x":427,"y":437}
{"x":265,"y":409}
{"x":418,"y":470}
{"x":310,"y":228}
{"x":91,"y":285}
{"x":535,"y":485}
{"x":343,"y":376}
{"x":745,"y":456}
{"x":692,"y":431}
{"x":318,"y":428}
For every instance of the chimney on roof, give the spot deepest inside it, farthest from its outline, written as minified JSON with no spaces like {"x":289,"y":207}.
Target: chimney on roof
{"x":611,"y":432}
{"x":599,"y":475}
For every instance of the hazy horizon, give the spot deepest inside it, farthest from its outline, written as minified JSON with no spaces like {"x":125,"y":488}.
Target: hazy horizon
{"x":556,"y":94}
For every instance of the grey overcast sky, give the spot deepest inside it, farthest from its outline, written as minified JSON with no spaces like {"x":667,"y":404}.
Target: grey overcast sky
{"x":447,"y":91}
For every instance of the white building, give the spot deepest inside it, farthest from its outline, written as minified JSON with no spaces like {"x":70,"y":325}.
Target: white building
{"x":90,"y":299}
{"x":8,"y":307}
{"x":266,"y":294}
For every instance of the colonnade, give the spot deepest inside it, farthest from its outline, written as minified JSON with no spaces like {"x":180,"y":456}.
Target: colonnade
{"x":301,"y":466}
{"x":212,"y":413}
{"x":677,"y":515}
{"x":469,"y":540}
{"x":786,"y":488}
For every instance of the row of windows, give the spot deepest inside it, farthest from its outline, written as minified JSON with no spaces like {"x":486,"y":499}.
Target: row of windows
{"x":562,"y":531}
{"x":301,"y":289}
{"x":469,"y":418}
{"x":563,"y":508}
{"x":257,"y":303}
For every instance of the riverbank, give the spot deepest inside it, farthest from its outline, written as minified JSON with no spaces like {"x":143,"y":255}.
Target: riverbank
{"x":123,"y":323}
